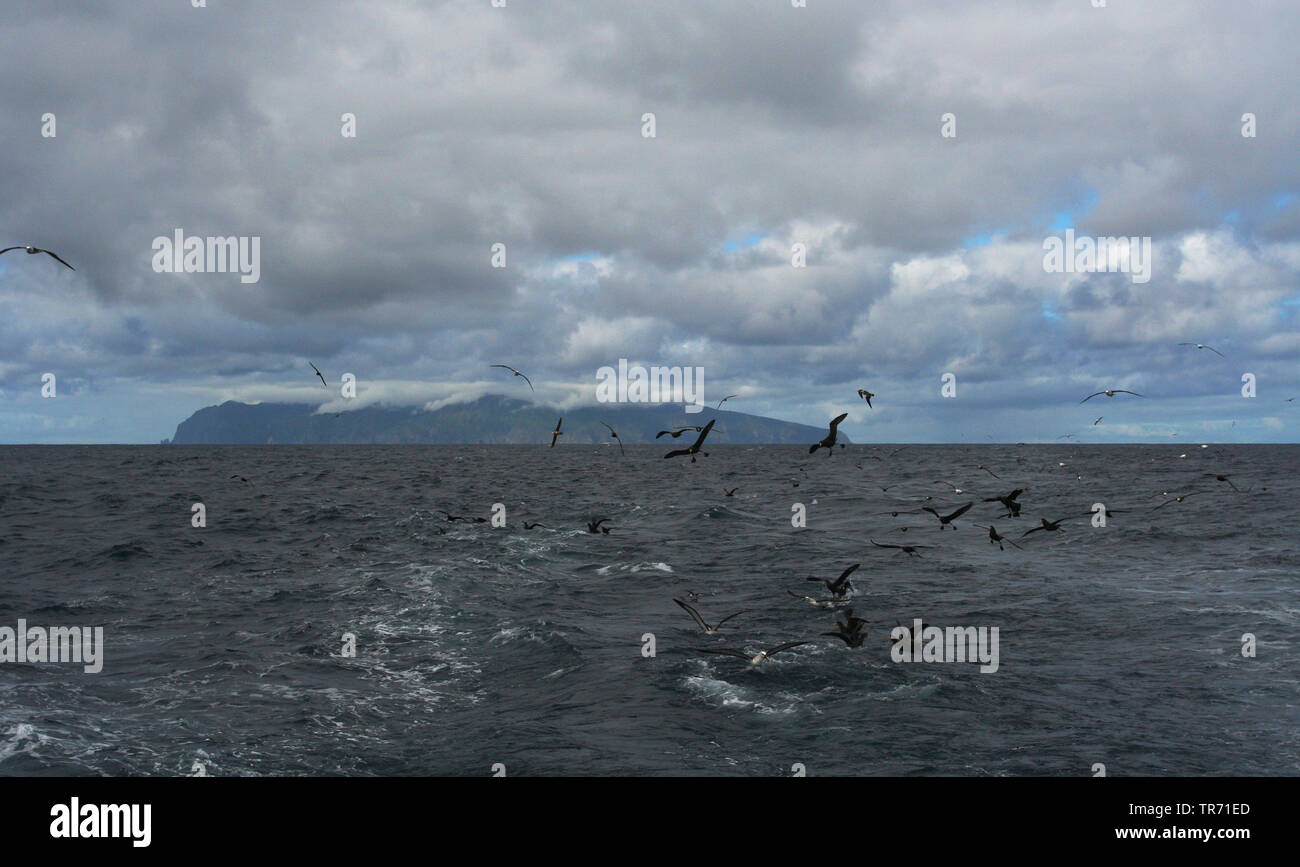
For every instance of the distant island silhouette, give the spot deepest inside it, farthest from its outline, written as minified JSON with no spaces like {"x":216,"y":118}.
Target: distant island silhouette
{"x":492,"y":419}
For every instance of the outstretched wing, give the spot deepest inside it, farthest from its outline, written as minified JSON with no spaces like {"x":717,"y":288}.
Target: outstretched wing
{"x":961,"y":511}
{"x":789,"y":644}
{"x":847,"y":572}
{"x":695,"y":615}
{"x":1090,"y":397}
{"x":704,"y":433}
{"x":835,"y":422}
{"x":878,"y":545}
{"x":723,"y":651}
{"x":676,"y":453}
{"x":728,"y":617}
{"x":56,"y":256}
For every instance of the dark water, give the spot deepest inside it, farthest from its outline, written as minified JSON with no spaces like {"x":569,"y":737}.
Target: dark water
{"x":481,"y":645}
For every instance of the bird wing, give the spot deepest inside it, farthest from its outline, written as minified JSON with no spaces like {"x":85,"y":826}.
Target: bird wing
{"x":728,"y":617}
{"x":1027,"y":532}
{"x":7,"y":249}
{"x":704,"y":433}
{"x":677,"y":453}
{"x":847,"y":572}
{"x":789,"y":644}
{"x":661,"y":433}
{"x":56,"y":256}
{"x":814,"y":447}
{"x":527,"y":380}
{"x":723,"y":651}
{"x":878,"y":545}
{"x":835,"y":422}
{"x":1090,"y":397}
{"x":695,"y":615}
{"x":559,"y":425}
{"x":1125,"y":391}
{"x":961,"y":511}
{"x":554,"y":436}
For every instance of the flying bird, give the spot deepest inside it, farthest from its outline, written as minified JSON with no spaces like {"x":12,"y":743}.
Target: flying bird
{"x":695,"y":615}
{"x":557,"y":433}
{"x":1045,"y":524}
{"x":816,"y":603}
{"x":757,"y":659}
{"x":996,"y":538}
{"x":517,"y":373}
{"x":945,"y":520}
{"x":724,"y":400}
{"x":987,"y":470}
{"x":695,"y":447}
{"x":840,"y":585}
{"x":35,"y":250}
{"x":1203,"y":346}
{"x":828,"y":442}
{"x":1099,"y":418}
{"x":594,"y":526}
{"x":866,"y":395}
{"x":323,"y":383}
{"x":730,"y":492}
{"x":615,"y":436}
{"x":675,"y":433}
{"x":904,"y":549}
{"x":1177,"y":499}
{"x":1110,"y":392}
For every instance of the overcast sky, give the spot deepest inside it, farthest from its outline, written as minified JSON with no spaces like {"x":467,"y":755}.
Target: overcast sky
{"x":775,"y":126}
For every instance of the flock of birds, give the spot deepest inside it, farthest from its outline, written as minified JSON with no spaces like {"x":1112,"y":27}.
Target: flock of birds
{"x":846,"y":628}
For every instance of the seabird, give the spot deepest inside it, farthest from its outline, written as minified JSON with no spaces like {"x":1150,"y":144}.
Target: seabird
{"x":911,"y":635}
{"x":1110,"y":392}
{"x":757,"y":659}
{"x":678,"y":431}
{"x":323,"y":383}
{"x":866,"y":395}
{"x":987,"y":470}
{"x":528,"y":526}
{"x":451,"y":517}
{"x":695,"y":615}
{"x":34,"y":250}
{"x":816,"y":603}
{"x":945,"y":520}
{"x":555,"y":434}
{"x":1177,"y":499}
{"x":1222,"y":478}
{"x":724,"y":400}
{"x":615,"y":436}
{"x":730,"y":492}
{"x":695,"y":447}
{"x":594,"y":526}
{"x":1099,"y":418}
{"x":1050,"y":525}
{"x":828,"y":442}
{"x":851,"y":633}
{"x":517,"y":373}
{"x":840,"y":585}
{"x":996,"y":538}
{"x":1009,"y":501}
{"x":1203,"y":346}
{"x":905,"y":549}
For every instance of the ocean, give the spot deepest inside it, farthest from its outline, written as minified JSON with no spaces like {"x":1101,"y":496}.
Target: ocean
{"x":484,"y":650}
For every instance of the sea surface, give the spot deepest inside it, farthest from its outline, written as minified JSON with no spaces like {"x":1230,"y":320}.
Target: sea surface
{"x":481,"y":646}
